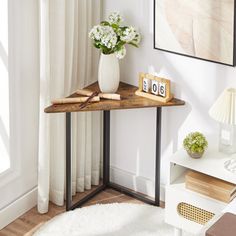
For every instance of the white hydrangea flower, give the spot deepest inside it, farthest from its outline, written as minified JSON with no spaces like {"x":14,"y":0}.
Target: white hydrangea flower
{"x":121,"y":53}
{"x":115,"y":18}
{"x":105,"y":34}
{"x":96,"y":32}
{"x":128,"y":34}
{"x":109,"y":37}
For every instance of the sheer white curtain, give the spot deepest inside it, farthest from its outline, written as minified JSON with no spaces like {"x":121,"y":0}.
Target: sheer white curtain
{"x":68,"y":62}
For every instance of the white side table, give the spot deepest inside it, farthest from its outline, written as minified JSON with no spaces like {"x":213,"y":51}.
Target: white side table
{"x":212,"y":163}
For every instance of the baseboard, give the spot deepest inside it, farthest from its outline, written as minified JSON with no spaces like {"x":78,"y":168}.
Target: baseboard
{"x":136,"y":183}
{"x":18,"y":208}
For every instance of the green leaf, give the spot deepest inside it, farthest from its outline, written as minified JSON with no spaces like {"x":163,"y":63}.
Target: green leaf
{"x":133,"y":44}
{"x":115,"y":26}
{"x":96,"y":45}
{"x":105,"y":23}
{"x":124,"y":28}
{"x":105,"y":50}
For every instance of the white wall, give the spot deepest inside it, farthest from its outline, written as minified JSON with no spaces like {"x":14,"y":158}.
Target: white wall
{"x":198,"y":82}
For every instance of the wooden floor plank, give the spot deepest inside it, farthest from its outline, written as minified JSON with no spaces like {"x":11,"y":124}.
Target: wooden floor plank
{"x":28,"y":223}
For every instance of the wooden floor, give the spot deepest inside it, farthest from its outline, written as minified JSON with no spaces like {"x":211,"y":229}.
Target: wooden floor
{"x":28,"y":223}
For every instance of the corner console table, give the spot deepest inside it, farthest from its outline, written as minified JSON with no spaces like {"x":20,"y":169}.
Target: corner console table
{"x":128,"y":101}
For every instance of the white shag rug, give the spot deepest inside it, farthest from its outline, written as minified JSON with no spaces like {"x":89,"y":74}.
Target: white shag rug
{"x":119,"y":219}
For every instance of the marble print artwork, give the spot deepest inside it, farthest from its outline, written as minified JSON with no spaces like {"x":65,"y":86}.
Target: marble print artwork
{"x":198,"y":28}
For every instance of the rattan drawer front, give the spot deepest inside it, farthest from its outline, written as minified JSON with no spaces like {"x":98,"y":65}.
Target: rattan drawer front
{"x":188,"y":210}
{"x":195,"y":214}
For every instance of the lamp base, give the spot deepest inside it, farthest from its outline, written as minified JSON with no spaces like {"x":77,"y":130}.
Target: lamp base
{"x":227,"y":140}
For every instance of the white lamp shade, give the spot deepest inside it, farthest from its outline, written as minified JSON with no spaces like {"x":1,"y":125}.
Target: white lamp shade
{"x":224,"y":109}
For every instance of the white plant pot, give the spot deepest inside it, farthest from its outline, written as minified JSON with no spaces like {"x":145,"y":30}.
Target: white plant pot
{"x":108,"y":73}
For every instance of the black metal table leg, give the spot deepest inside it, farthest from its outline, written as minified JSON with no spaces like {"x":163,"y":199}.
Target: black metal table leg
{"x":106,"y":147}
{"x":99,"y":189}
{"x":139,"y":196}
{"x":106,"y":165}
{"x":158,"y":157}
{"x":68,"y":162}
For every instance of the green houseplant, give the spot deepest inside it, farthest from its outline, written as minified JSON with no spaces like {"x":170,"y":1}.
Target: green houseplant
{"x":195,"y":144}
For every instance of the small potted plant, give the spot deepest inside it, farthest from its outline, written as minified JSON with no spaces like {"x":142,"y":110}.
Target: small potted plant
{"x":111,"y":38}
{"x":195,"y":144}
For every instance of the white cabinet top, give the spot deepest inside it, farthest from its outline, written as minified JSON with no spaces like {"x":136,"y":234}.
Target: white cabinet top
{"x":212,"y":163}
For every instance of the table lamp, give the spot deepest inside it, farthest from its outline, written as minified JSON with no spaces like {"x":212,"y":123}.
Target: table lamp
{"x":224,"y":111}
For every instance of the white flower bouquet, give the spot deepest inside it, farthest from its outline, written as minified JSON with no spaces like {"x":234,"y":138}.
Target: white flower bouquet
{"x":111,"y":37}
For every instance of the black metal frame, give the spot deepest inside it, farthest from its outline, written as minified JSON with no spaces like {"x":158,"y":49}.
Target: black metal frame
{"x":199,"y":58}
{"x":106,"y":165}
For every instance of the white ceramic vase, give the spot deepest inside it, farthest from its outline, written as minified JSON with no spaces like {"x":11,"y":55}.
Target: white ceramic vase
{"x":109,"y":73}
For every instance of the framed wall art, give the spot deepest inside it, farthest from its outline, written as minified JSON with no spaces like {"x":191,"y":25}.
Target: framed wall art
{"x":203,"y":29}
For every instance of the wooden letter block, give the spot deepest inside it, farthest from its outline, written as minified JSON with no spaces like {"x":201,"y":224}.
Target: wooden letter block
{"x":146,"y":85}
{"x":162,"y":89}
{"x":155,"y":87}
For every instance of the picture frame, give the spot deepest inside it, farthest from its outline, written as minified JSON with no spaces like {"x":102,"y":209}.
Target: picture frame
{"x":195,"y":46}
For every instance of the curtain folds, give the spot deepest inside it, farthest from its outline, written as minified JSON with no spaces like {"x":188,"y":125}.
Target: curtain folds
{"x":68,"y":62}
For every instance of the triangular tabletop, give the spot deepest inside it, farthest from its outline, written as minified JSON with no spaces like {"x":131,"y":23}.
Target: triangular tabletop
{"x":128,"y":101}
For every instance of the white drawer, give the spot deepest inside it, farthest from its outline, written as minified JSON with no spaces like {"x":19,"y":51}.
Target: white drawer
{"x":177,"y":194}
